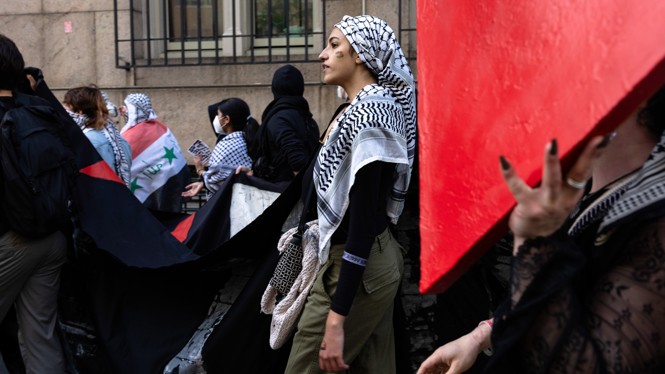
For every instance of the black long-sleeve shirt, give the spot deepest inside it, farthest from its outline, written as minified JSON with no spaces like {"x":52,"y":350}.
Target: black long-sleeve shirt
{"x":364,"y":220}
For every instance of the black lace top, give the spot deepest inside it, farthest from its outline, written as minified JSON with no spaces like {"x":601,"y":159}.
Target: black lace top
{"x":588,"y":304}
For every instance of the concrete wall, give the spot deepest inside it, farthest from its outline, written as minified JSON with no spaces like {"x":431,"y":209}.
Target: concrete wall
{"x":180,"y":95}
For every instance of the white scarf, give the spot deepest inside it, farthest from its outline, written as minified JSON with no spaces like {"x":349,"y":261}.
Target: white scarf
{"x":379,"y":125}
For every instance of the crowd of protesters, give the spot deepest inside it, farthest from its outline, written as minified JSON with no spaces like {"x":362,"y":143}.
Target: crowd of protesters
{"x":585,"y":292}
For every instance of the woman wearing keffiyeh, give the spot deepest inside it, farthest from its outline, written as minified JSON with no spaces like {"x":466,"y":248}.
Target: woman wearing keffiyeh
{"x":87,"y":107}
{"x":159,"y":170}
{"x":361,"y":176}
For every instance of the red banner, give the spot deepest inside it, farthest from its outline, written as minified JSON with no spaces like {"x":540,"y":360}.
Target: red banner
{"x":504,"y":78}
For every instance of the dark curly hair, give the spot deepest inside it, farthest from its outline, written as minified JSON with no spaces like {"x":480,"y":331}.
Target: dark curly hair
{"x":11,"y":64}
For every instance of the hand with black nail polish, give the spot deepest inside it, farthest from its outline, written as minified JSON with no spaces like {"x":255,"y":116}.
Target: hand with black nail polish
{"x":540,"y":211}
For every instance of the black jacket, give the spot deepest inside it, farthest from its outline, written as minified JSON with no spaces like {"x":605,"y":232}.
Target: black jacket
{"x":287,"y":139}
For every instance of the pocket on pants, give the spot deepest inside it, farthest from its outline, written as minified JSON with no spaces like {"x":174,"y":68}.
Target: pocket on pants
{"x":381,"y":278}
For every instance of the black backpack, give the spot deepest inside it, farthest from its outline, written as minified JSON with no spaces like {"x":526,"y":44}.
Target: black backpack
{"x":37,"y":169}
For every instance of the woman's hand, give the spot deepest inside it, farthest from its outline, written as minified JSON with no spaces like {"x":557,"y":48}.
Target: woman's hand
{"x":192,"y":189}
{"x":197,"y":163}
{"x":459,"y":355}
{"x":540,"y":211}
{"x":331,"y":353}
{"x":244,"y":169}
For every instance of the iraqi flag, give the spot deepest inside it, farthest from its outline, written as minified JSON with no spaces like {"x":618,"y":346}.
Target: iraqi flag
{"x":159,"y":170}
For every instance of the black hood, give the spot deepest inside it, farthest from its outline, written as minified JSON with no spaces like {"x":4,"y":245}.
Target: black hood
{"x":288,"y":81}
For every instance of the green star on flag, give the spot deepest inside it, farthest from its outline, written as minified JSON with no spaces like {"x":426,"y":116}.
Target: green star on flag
{"x":135,"y":185}
{"x":169,"y":154}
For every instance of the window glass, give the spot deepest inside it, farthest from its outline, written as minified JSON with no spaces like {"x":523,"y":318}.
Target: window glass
{"x":184,"y":18}
{"x":282,"y":17}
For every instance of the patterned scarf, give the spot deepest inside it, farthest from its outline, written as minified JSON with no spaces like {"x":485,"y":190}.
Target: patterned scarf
{"x":139,"y":109}
{"x":228,"y":154}
{"x":379,"y":125}
{"x":629,"y":196}
{"x":121,"y":162}
{"x":113,"y":110}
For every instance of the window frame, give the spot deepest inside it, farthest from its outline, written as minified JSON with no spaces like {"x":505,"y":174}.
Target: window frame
{"x":236,"y":44}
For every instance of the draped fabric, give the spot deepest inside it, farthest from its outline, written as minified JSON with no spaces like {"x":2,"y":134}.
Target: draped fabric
{"x":159,"y":171}
{"x":160,"y":289}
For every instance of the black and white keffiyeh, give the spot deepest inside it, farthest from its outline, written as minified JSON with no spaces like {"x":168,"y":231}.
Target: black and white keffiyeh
{"x":139,"y":109}
{"x":121,"y":160}
{"x":113,"y":110}
{"x":644,"y":190}
{"x":631,"y":195}
{"x":379,"y":125}
{"x":228,"y":154}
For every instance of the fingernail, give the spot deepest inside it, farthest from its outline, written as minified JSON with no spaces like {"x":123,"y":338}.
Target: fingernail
{"x":505,"y":165}
{"x":606,"y":140}
{"x":554,"y":147}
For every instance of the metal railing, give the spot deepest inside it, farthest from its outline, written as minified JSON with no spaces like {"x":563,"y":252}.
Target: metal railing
{"x":215,"y":32}
{"x":156,"y":33}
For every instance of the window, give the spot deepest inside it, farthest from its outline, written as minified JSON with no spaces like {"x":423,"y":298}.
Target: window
{"x":283,"y":24}
{"x":192,"y":20}
{"x":196,"y":32}
{"x":281,"y":18}
{"x":407,"y":30}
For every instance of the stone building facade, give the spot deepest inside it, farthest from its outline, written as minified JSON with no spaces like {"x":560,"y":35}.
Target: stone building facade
{"x":94,"y":42}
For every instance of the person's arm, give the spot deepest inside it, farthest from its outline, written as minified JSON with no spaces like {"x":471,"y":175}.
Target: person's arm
{"x":364,"y":213}
{"x":565,"y":308}
{"x":192,"y":189}
{"x":229,"y":154}
{"x":459,"y":355}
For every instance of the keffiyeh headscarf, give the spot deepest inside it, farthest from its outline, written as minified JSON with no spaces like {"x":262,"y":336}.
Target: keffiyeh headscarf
{"x":121,"y":160}
{"x":139,"y":109}
{"x":379,"y":125}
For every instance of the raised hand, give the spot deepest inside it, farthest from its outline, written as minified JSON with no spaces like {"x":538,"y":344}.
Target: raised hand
{"x":540,"y":211}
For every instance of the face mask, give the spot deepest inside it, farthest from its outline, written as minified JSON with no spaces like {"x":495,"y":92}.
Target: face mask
{"x":217,"y":126}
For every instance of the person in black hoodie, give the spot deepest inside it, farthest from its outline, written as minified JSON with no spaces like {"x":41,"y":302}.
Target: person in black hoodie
{"x":288,"y":135}
{"x":29,"y":266}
